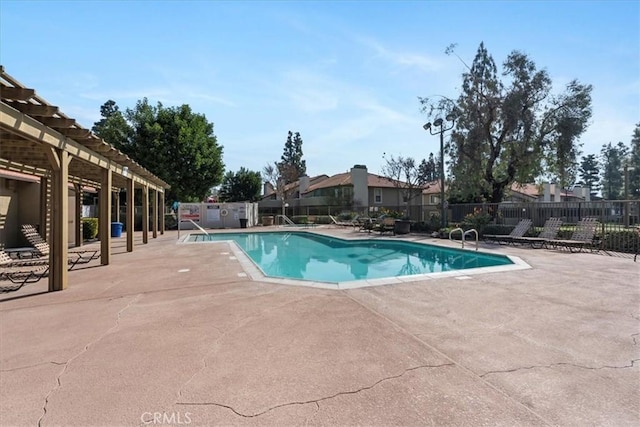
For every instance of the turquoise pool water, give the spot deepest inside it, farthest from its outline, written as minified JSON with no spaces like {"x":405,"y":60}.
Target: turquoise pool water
{"x":308,"y":256}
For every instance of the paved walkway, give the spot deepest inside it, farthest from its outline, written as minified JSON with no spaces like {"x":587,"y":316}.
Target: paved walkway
{"x":178,"y":335}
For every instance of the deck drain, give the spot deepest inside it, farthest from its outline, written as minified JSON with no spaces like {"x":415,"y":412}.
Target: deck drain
{"x":242,"y":274}
{"x":184,"y":270}
{"x":232,"y":257}
{"x":463,"y":277}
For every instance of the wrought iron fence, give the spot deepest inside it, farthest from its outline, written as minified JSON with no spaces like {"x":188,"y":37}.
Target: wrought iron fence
{"x":619,"y":220}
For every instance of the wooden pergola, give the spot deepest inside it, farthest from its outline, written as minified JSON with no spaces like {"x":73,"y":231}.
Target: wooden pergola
{"x":36,"y":138}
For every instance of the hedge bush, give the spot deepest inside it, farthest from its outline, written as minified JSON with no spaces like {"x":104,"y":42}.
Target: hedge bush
{"x":89,"y":228}
{"x":621,"y":241}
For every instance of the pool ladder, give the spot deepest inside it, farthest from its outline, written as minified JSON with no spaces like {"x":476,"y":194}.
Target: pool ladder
{"x":283,"y":220}
{"x":464,"y":233}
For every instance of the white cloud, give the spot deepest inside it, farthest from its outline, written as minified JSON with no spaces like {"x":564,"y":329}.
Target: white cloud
{"x":402,"y":58}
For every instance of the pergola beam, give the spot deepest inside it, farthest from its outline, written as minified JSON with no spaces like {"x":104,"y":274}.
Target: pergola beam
{"x":17,"y":93}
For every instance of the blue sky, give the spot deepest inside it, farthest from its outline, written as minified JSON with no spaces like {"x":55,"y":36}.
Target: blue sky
{"x":345,"y":74}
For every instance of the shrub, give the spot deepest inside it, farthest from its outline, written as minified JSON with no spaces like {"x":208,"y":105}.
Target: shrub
{"x":170,"y":222}
{"x":89,"y":228}
{"x":300,"y":219}
{"x":498,"y":229}
{"x":478,"y":220}
{"x":389,"y":212}
{"x":621,"y":241}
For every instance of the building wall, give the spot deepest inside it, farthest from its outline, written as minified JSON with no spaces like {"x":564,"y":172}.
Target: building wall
{"x":19,"y":204}
{"x":217,"y":215}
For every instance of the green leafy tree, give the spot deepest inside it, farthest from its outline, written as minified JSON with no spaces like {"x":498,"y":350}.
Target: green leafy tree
{"x":174,"y":143}
{"x":634,"y":164}
{"x":113,"y":127}
{"x":508,"y":128}
{"x":613,"y":157}
{"x":241,"y":186}
{"x":590,"y":173}
{"x":292,"y":166}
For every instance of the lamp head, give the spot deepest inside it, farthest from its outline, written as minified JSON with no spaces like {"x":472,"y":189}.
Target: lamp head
{"x":438,"y":122}
{"x":450,"y":117}
{"x":427,"y":126}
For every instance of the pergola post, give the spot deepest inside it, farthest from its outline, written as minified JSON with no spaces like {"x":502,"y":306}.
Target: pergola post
{"x":155,"y":214}
{"x":145,"y":214}
{"x":104,"y":217}
{"x":44,"y":207}
{"x":162,"y":212}
{"x":117,"y":205}
{"x":130,"y":214}
{"x":78,"y":215}
{"x":59,"y":255}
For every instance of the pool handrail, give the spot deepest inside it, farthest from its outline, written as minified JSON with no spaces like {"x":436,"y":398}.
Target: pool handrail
{"x":473,"y":230}
{"x":464,"y":233}
{"x":199,"y":228}
{"x":285,"y":218}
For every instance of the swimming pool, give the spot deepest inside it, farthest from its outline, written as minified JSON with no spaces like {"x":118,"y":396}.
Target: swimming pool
{"x":320,"y":258}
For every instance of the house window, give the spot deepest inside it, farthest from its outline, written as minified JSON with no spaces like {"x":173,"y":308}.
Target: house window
{"x":434,"y":200}
{"x":377,"y":195}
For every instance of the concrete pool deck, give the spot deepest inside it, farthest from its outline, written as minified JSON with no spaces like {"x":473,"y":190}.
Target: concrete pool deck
{"x":180,"y":335}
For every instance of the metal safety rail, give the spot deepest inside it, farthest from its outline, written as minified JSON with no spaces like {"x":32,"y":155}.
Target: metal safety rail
{"x":464,"y":233}
{"x":199,"y":228}
{"x":284,"y":219}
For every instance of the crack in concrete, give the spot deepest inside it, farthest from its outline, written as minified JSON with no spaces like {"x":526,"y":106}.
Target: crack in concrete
{"x":32,"y":366}
{"x":506,"y":371}
{"x":84,"y":350}
{"x":239,"y":325}
{"x":315,"y":401}
{"x":633,"y":337}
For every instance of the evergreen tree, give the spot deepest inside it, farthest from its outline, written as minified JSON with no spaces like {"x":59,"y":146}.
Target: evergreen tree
{"x":428,"y":170}
{"x":612,"y":170}
{"x":292,"y":166}
{"x":634,"y":164}
{"x":590,"y":173}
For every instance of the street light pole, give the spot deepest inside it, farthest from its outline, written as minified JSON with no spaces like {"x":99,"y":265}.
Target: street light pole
{"x":439,"y":123}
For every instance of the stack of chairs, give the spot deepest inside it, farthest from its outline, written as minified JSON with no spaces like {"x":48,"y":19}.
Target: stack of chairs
{"x":41,"y":249}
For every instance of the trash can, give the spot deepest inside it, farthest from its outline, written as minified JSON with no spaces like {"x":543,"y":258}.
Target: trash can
{"x":243,"y":222}
{"x":116,"y":229}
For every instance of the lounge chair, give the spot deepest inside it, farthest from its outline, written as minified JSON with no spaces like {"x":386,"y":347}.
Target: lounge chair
{"x":335,"y":221}
{"x":549,"y":232}
{"x":41,"y":248}
{"x":584,"y":236}
{"x":504,"y":239}
{"x":20,"y":273}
